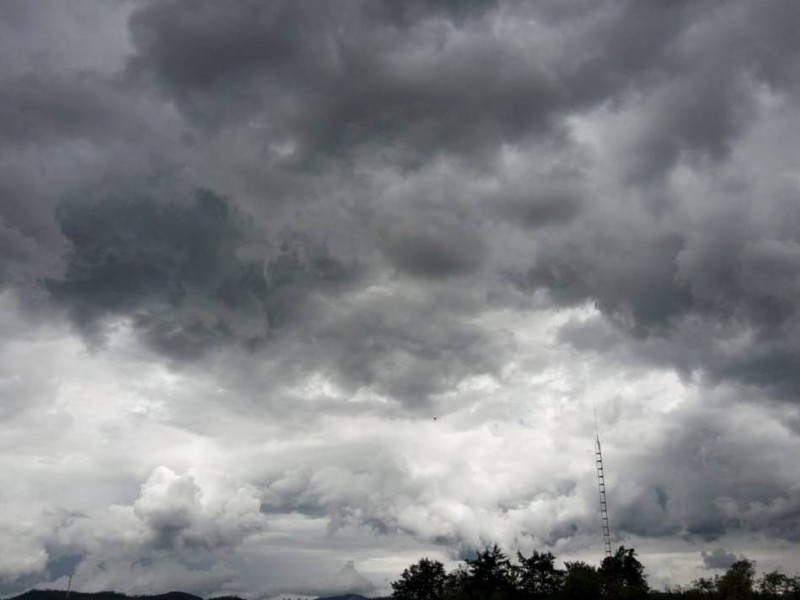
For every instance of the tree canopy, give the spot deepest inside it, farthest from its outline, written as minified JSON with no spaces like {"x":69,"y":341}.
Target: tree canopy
{"x":424,"y":580}
{"x":492,"y":575}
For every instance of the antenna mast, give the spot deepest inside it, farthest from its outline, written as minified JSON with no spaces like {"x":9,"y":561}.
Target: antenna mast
{"x":601,"y":484}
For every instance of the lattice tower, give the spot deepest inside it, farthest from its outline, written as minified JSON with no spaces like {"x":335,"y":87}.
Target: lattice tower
{"x":601,"y":484}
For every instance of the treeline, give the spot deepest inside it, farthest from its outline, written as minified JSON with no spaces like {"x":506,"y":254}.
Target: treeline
{"x":491,"y":575}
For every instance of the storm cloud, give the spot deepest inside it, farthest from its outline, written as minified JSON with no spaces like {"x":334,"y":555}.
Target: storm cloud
{"x":285,"y":285}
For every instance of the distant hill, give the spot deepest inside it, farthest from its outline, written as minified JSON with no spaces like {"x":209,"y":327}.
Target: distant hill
{"x":61,"y":595}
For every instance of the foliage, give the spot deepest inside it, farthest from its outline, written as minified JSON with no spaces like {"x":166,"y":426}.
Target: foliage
{"x":623,"y":575}
{"x":491,"y":575}
{"x":422,"y":581}
{"x":537,"y":576}
{"x":457,"y":583}
{"x":737,"y":583}
{"x":775,"y":585}
{"x":583,"y":582}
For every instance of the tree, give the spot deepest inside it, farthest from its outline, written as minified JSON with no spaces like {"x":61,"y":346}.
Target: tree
{"x":737,"y":583}
{"x":537,"y":576}
{"x":456,"y":583}
{"x":777,"y":585}
{"x":623,"y":574}
{"x":582,"y":582}
{"x":422,"y":581}
{"x":490,"y":574}
{"x":704,"y":587}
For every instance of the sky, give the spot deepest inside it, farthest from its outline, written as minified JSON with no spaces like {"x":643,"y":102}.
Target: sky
{"x":293,"y":294}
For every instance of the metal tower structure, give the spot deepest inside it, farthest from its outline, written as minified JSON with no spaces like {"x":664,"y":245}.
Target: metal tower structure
{"x":601,"y":484}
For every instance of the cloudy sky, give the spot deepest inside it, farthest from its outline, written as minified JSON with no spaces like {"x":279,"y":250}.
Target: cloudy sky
{"x":295,"y":293}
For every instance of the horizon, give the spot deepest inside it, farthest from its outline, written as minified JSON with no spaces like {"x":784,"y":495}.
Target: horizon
{"x":492,"y":572}
{"x":293,"y":294}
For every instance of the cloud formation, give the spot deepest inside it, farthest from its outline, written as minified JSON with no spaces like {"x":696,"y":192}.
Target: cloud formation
{"x":718,"y":558}
{"x":363,"y":271}
{"x":181,"y":271}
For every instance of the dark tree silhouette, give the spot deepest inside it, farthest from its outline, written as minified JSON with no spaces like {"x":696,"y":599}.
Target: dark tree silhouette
{"x":457,"y":583}
{"x":623,"y":575}
{"x":422,"y":581}
{"x":737,"y":583}
{"x":704,"y":587}
{"x":582,"y":582}
{"x":490,"y":575}
{"x":537,"y":576}
{"x":775,"y":585}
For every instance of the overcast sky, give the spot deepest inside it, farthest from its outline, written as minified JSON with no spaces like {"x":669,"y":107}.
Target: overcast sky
{"x":293,"y":294}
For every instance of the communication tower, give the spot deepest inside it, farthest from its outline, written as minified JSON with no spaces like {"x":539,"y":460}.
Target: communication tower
{"x":601,"y":484}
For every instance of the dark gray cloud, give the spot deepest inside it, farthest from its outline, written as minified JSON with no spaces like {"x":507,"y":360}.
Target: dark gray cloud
{"x":326,"y":82}
{"x":553,"y":207}
{"x":438,"y":252}
{"x":350,"y":75}
{"x":632,"y":281}
{"x":331,"y":78}
{"x":180,"y":271}
{"x":718,"y":558}
{"x":705,"y":481}
{"x":41,"y":107}
{"x":382,"y":345}
{"x":681,"y":301}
